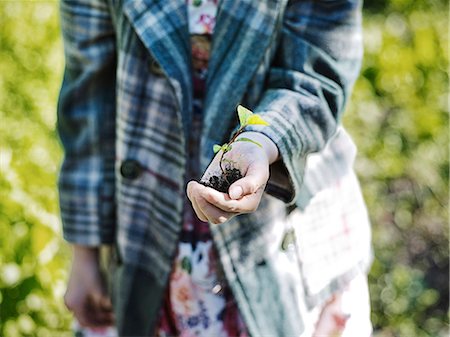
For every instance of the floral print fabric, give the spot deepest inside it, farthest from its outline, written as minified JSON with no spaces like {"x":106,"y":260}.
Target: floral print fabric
{"x":202,"y":16}
{"x":198,"y":301}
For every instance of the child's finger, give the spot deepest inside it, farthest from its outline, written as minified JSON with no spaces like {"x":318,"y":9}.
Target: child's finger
{"x":199,"y":212}
{"x":246,"y":204}
{"x":254,"y":179}
{"x":214,"y":214}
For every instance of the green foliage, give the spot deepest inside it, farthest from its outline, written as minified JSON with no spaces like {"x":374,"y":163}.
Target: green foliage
{"x":398,"y":116}
{"x":33,"y":259}
{"x":246,"y":117}
{"x":245,"y":139}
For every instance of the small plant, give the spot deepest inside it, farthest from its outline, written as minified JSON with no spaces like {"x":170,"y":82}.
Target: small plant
{"x":229,"y":174}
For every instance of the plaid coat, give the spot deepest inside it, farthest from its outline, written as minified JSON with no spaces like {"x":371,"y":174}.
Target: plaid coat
{"x":124,"y":119}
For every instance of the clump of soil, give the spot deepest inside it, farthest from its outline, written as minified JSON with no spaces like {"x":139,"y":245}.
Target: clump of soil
{"x":223,"y":182}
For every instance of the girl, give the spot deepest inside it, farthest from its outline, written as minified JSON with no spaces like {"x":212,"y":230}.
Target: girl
{"x":149,"y":87}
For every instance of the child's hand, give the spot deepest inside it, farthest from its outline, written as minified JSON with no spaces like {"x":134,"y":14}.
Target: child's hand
{"x":86,"y":294}
{"x":245,"y":194}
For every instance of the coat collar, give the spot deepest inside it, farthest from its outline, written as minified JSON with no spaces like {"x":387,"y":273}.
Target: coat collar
{"x":242,"y":35}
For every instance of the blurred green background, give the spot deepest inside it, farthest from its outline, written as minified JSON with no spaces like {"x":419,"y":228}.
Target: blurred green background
{"x":398,"y":117}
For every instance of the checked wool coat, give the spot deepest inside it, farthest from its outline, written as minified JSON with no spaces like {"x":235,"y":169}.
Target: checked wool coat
{"x":124,"y":119}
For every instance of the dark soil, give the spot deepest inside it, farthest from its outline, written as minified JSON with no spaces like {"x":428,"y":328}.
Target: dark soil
{"x":222,"y":183}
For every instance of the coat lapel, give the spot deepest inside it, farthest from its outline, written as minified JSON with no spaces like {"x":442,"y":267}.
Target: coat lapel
{"x":242,"y":35}
{"x":163,"y":28}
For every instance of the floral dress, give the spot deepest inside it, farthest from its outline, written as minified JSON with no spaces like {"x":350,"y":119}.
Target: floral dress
{"x":198,"y":301}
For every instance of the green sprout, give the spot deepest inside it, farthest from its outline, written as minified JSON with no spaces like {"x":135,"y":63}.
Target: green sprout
{"x":246,"y":117}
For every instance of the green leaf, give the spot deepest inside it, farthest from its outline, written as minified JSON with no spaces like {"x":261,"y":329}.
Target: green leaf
{"x":216,"y":148}
{"x":186,"y":264}
{"x":243,"y":114}
{"x":256,"y":120}
{"x":225,"y":147}
{"x":243,"y":139}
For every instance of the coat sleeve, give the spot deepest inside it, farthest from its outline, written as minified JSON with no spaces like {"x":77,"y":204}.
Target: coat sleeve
{"x":86,"y":123}
{"x":317,"y":60}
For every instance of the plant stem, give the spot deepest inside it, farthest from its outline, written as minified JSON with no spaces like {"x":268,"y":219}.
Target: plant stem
{"x":220,"y":164}
{"x":238,"y":132}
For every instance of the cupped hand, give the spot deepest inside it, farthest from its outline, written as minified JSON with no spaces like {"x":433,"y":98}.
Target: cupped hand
{"x":245,"y":194}
{"x":86,"y":294}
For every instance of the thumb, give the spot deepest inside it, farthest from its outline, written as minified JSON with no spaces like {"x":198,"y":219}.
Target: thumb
{"x":251,"y":183}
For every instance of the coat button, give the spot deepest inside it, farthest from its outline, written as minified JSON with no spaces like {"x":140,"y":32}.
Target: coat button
{"x":155,"y":68}
{"x":216,"y":289}
{"x":130,"y":169}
